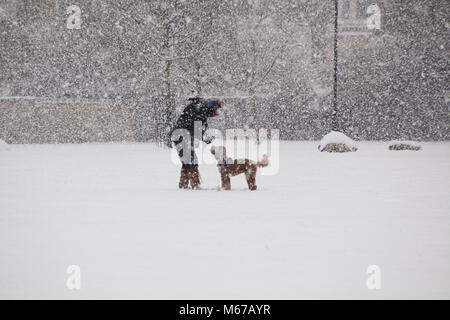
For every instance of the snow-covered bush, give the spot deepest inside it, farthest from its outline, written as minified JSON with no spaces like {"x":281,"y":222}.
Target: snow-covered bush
{"x":404,"y":145}
{"x":337,"y":142}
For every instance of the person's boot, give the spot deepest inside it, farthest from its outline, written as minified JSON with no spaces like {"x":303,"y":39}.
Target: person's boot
{"x":184,"y":179}
{"x":194,"y":178}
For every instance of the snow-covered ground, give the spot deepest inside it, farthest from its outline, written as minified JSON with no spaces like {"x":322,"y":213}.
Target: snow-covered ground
{"x":310,"y":231}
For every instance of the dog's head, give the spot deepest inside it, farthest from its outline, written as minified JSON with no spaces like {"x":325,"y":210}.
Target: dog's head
{"x":219,"y":152}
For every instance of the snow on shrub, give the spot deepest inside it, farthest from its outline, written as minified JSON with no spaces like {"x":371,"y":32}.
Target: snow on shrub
{"x":404,"y":145}
{"x":337,"y":142}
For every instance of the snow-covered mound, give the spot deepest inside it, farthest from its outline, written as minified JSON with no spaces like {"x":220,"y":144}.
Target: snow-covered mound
{"x":404,"y":145}
{"x":337,"y":142}
{"x":3,"y":145}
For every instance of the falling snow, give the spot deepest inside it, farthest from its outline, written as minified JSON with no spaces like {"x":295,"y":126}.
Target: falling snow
{"x":91,"y":89}
{"x":271,"y":62}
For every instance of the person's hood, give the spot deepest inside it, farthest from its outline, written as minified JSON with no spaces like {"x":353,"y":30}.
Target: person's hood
{"x":214,"y":107}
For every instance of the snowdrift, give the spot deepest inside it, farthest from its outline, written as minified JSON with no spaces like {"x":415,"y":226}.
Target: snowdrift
{"x":404,"y":145}
{"x":337,"y":142}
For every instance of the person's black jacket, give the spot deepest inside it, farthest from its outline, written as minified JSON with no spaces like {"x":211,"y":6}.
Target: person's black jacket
{"x":197,"y":110}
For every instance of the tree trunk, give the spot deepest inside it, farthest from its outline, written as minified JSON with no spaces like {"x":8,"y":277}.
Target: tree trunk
{"x":168,"y":112}
{"x":334,"y":115}
{"x":198,"y":79}
{"x":254,"y":113}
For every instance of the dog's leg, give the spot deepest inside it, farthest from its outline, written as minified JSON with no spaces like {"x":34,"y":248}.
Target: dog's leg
{"x":226,"y":182}
{"x":250,"y":175}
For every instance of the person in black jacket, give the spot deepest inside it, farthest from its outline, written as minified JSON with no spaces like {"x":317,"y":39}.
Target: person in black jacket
{"x":194,"y":117}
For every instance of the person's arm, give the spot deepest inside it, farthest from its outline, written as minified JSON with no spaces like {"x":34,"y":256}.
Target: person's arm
{"x":184,"y":121}
{"x":208,"y":139}
{"x":205,"y":137}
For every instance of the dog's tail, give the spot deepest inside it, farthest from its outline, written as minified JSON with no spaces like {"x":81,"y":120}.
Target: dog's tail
{"x":264,"y":161}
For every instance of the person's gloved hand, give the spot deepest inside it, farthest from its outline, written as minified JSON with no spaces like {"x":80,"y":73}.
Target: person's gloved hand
{"x":208,"y":139}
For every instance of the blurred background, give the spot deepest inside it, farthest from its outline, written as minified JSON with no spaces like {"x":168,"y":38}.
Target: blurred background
{"x":122,"y":70}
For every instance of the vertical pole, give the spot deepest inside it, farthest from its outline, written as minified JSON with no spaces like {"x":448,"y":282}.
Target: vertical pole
{"x":56,"y":10}
{"x":335,"y":125}
{"x":25,"y":8}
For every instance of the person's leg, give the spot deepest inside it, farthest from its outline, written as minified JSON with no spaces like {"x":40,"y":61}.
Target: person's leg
{"x":194,"y":178}
{"x":194,"y":174}
{"x":184,"y":174}
{"x":189,"y":169}
{"x":184,"y":179}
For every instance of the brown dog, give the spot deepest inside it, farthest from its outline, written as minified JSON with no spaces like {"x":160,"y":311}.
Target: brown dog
{"x":229,"y":167}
